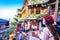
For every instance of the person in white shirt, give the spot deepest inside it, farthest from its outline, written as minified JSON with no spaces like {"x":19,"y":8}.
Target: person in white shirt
{"x":49,"y":32}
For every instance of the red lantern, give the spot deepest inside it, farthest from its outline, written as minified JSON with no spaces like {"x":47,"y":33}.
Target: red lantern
{"x":52,"y":13}
{"x":30,"y":25}
{"x":18,"y":27}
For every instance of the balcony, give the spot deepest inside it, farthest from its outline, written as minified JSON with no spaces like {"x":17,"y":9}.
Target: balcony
{"x":37,"y":16}
{"x":31,"y":16}
{"x":32,"y":3}
{"x":37,"y":2}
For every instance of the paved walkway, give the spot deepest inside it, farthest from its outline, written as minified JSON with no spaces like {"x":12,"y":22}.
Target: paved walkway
{"x":30,"y":37}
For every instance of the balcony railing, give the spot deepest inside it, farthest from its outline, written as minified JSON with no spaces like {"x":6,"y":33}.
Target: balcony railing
{"x":37,"y":16}
{"x":32,"y":3}
{"x":37,"y":2}
{"x":31,"y":16}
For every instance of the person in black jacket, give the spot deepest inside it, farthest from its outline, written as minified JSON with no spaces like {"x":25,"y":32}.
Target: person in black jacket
{"x":58,"y":26}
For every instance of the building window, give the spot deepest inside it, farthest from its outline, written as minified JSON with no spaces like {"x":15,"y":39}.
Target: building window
{"x":32,"y":11}
{"x":37,"y":10}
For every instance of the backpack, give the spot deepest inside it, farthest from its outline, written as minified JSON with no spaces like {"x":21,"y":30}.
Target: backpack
{"x":57,"y":29}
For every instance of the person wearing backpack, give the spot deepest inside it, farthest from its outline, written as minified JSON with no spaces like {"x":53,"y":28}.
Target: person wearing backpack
{"x":57,"y":26}
{"x":22,"y":27}
{"x":49,"y":32}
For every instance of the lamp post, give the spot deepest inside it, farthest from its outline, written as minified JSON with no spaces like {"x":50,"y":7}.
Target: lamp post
{"x":56,"y":10}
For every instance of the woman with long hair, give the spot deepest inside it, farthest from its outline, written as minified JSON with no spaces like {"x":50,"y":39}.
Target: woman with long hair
{"x":49,"y":32}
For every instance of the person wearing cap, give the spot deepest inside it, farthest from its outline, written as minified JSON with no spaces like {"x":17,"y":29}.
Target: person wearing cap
{"x":49,"y":32}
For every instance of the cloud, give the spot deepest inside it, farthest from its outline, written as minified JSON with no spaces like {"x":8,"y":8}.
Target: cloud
{"x":8,"y":13}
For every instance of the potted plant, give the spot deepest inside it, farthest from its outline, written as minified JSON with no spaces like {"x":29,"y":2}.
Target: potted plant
{"x":38,"y":1}
{"x":31,"y":16}
{"x":32,"y":2}
{"x":37,"y":16}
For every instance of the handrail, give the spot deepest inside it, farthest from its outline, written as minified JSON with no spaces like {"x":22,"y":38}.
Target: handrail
{"x":8,"y":32}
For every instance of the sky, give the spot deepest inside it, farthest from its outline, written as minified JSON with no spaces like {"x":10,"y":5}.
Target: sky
{"x":8,"y":8}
